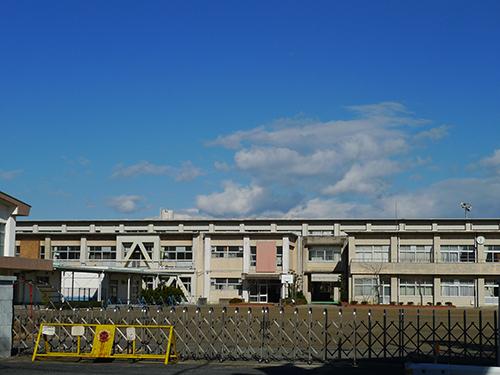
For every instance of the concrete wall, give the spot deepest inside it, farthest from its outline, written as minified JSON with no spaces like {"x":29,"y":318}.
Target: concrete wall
{"x":6,"y":311}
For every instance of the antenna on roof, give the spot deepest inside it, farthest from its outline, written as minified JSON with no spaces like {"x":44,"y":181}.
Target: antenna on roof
{"x":467,"y":207}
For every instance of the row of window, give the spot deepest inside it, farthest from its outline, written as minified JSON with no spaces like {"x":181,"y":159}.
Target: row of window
{"x":424,"y":254}
{"x":368,"y":287}
{"x":225,"y":284}
{"x":364,"y":253}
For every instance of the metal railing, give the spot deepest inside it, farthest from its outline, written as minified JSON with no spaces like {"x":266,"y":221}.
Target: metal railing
{"x":313,"y":334}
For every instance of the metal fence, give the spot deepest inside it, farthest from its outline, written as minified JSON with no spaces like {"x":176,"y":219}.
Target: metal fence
{"x":310,"y":334}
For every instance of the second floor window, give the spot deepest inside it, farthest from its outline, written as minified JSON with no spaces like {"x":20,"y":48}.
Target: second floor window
{"x":227,"y":251}
{"x":102,"y":252}
{"x":177,"y":253}
{"x":372,"y":253}
{"x":415,"y":253}
{"x":253,"y":256}
{"x":66,"y":252}
{"x":492,"y":253}
{"x":324,"y":254}
{"x":458,"y":253}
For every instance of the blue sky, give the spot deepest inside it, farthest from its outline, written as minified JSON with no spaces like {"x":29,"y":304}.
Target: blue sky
{"x":246,"y":109}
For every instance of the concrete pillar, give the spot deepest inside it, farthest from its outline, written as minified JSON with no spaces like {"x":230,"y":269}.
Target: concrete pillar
{"x":197,"y":287}
{"x":394,"y":249}
{"x":83,"y":249}
{"x":246,"y":254}
{"x":481,"y":254}
{"x":207,"y":255}
{"x":286,"y":254}
{"x":437,"y":290}
{"x":6,"y":314}
{"x":480,"y":292}
{"x":394,"y":289}
{"x":48,"y":248}
{"x":156,"y":252}
{"x":436,"y":246}
{"x":99,"y":287}
{"x":10,"y":237}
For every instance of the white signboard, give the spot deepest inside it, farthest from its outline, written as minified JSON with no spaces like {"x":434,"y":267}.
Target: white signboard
{"x":77,"y":331}
{"x":287,"y":279}
{"x":331,"y":277}
{"x":49,"y":330}
{"x":130,"y":333}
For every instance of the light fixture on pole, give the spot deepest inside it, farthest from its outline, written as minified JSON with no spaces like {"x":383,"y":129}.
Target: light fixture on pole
{"x":467,"y":207}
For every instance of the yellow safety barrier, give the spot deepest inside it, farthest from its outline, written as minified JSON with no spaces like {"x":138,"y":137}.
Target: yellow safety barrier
{"x":123,"y":341}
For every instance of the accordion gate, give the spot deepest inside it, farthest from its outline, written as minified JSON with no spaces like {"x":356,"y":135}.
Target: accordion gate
{"x":283,"y":334}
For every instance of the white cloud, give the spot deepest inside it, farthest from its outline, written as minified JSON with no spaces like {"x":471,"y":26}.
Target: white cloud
{"x":234,"y":200}
{"x":492,"y":161}
{"x":222,"y":166}
{"x":10,"y":175}
{"x":141,"y":168}
{"x":433,"y":134}
{"x":367,"y":178}
{"x":186,"y":172}
{"x":126,"y":203}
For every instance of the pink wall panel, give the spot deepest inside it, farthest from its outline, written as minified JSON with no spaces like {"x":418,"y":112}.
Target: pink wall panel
{"x":266,"y":256}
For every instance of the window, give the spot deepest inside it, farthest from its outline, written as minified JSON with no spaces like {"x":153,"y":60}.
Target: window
{"x":491,"y":292}
{"x":102,"y":252}
{"x":365,"y":287}
{"x":18,"y":250}
{"x":42,"y":251}
{"x":324,"y":254}
{"x":457,"y":288}
{"x":415,"y":253}
{"x":253,"y":256}
{"x":493,"y":253}
{"x":149,"y":248}
{"x":187,"y":283}
{"x":279,"y":256}
{"x":177,"y":252}
{"x":372,"y":253}
{"x":227,"y":251}
{"x":66,"y":252}
{"x":415,"y":287}
{"x":225,"y":284}
{"x":458,"y":253}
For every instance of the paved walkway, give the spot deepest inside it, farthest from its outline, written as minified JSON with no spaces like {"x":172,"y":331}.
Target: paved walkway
{"x":23,"y":366}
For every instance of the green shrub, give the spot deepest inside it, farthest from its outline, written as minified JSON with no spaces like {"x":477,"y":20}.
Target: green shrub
{"x":354,"y":302}
{"x":161,"y":294}
{"x":235,"y":300}
{"x":364,"y":302}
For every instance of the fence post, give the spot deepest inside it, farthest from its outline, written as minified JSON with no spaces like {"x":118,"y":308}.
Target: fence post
{"x":296,"y":314}
{"x":355,"y":349}
{"x":282,"y":332}
{"x":465,"y":334}
{"x":222,"y":334}
{"x":418,"y":332}
{"x":212,"y":337}
{"x":309,"y":336}
{"x":325,"y":335}
{"x":497,"y":347}
{"x":385,"y":334}
{"x":339,"y":342}
{"x":400,"y":333}
{"x":369,"y":333}
{"x":480,"y":334}
{"x":449,"y":335}
{"x":249,"y":326}
{"x":435,"y":348}
{"x":263,"y":335}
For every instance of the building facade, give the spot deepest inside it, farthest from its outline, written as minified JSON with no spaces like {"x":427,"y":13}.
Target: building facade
{"x":434,"y":261}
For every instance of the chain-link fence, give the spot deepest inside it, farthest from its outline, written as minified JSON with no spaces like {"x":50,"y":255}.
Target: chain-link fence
{"x":307,"y":334}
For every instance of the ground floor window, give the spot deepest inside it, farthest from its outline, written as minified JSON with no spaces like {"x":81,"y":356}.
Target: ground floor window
{"x":366,"y":287}
{"x":457,"y":288}
{"x":491,"y":292}
{"x":225,"y":284}
{"x":415,"y":287}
